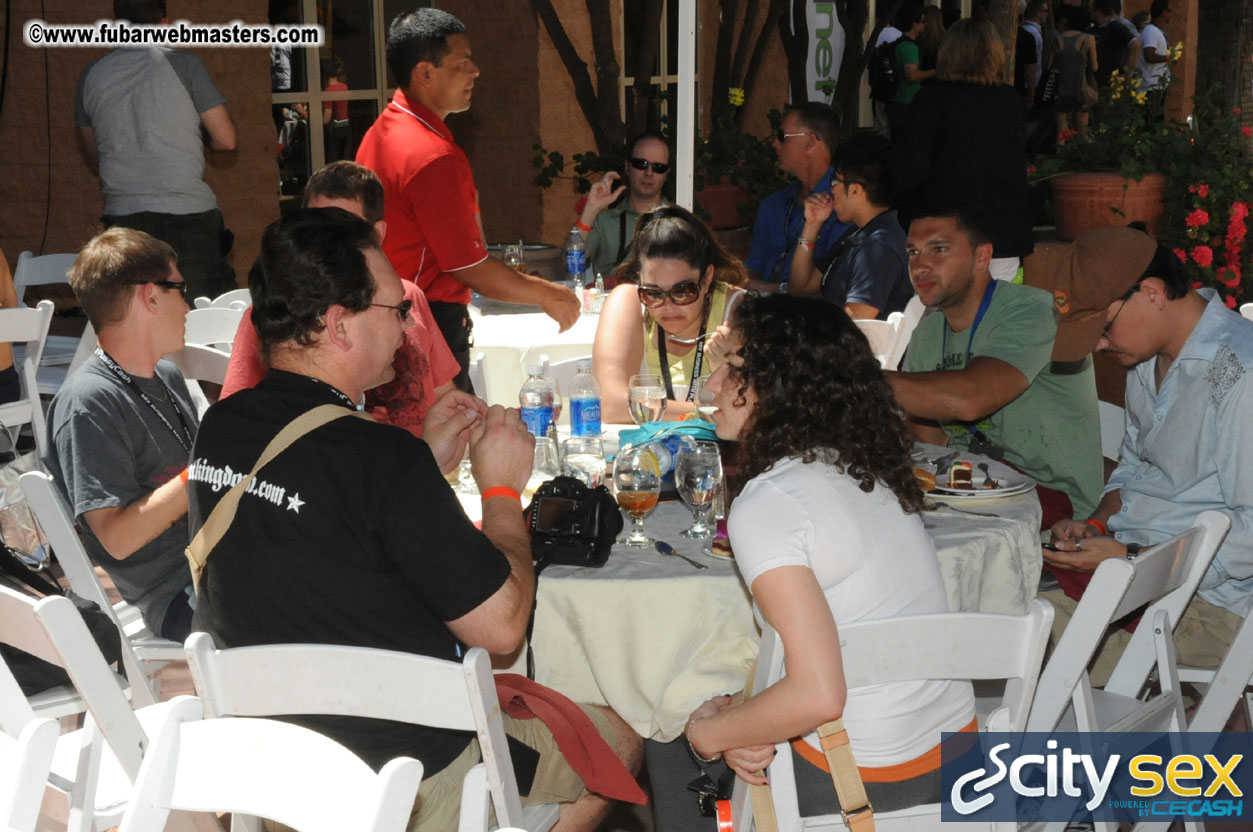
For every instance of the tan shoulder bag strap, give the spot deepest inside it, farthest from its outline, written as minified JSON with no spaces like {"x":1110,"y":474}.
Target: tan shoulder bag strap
{"x":223,"y":514}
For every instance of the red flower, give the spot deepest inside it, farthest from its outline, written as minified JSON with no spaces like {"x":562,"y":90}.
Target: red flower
{"x":1247,"y":131}
{"x":1196,"y":284}
{"x":1230,"y":301}
{"x":1182,"y":255}
{"x":1203,"y":256}
{"x":1202,"y":190}
{"x":1066,"y":135}
{"x":1197,"y":218}
{"x":1031,"y":169}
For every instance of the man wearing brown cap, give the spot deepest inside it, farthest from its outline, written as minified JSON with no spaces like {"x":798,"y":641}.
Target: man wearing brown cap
{"x":983,"y":370}
{"x":1189,"y":440}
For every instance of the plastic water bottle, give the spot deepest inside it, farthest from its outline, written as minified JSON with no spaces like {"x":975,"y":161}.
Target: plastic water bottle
{"x":536,"y":401}
{"x":666,"y":449}
{"x":584,"y":401}
{"x":598,"y":300}
{"x":576,"y":263}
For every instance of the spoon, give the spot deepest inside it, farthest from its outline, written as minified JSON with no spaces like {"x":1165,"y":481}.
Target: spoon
{"x":667,"y":549}
{"x":987,"y":475}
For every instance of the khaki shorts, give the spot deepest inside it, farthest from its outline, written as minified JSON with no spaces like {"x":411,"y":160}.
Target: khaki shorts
{"x":1202,"y":637}
{"x":438,"y":807}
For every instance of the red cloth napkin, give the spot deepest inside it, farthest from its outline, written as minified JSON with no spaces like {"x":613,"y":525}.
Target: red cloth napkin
{"x":580,"y":743}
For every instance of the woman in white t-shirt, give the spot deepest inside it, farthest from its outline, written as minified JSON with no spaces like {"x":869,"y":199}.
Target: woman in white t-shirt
{"x":826,"y":531}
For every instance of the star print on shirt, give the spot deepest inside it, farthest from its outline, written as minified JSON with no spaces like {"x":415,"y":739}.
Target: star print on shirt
{"x":294,"y":503}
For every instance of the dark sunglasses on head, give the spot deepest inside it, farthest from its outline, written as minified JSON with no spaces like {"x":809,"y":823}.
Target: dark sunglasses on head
{"x":402,"y":309}
{"x":644,"y":164}
{"x":680,"y":294}
{"x":178,"y":286}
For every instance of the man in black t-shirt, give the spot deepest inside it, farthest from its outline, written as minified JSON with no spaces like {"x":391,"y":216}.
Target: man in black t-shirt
{"x":1117,"y":45}
{"x":352,"y":535}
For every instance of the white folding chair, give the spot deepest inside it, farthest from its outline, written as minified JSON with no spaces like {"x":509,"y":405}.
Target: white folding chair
{"x":478,"y":375}
{"x":1113,"y":428}
{"x":94,"y":768}
{"x":52,"y":376}
{"x":913,"y":648}
{"x":143,"y":652}
{"x":198,"y":363}
{"x":25,"y":760}
{"x":914,"y":310}
{"x":882,"y":335}
{"x":337,"y":680}
{"x":213,"y":327}
{"x":29,"y":328}
{"x":43,"y":271}
{"x":234,"y":299}
{"x":562,"y":371}
{"x":266,"y":768}
{"x":1247,"y":311}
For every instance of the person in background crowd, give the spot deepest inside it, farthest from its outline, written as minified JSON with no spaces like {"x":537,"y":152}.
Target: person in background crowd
{"x":335,"y":126}
{"x":868,"y":273}
{"x":888,"y":34}
{"x":929,"y":40}
{"x":1117,"y":40}
{"x":140,"y":112}
{"x":435,"y":233}
{"x":1072,"y":52}
{"x":122,"y":426}
{"x":674,"y":293}
{"x":1188,"y":446}
{"x":608,"y":231}
{"x":807,"y":139}
{"x":423,"y":367}
{"x":981,"y":375}
{"x":10,"y":383}
{"x":963,"y":140}
{"x":912,"y":21}
{"x":1154,"y":48}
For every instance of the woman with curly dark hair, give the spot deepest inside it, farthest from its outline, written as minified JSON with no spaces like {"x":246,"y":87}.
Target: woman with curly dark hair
{"x":675,"y":290}
{"x":826,"y":531}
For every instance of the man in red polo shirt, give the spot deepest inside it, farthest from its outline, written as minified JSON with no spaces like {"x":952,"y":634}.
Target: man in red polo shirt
{"x":435,"y":233}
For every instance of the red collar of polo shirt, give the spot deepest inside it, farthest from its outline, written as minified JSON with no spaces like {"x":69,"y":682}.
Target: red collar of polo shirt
{"x":423,"y":114}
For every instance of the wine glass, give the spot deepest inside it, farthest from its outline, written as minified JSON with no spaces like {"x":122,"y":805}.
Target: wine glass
{"x":636,"y":484}
{"x":698,"y":476}
{"x":544,"y":468}
{"x":513,"y":257}
{"x":583,"y":457}
{"x":703,"y":399}
{"x":646,"y":398}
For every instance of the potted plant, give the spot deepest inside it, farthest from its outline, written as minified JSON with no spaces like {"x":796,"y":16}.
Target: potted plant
{"x":734,"y":170}
{"x":1117,"y":173}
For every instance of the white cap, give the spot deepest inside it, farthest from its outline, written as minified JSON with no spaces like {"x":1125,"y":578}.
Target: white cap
{"x":583,"y":364}
{"x":535,"y":370}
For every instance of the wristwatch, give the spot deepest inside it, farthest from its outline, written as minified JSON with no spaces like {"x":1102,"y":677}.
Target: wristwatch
{"x":1133,"y":549}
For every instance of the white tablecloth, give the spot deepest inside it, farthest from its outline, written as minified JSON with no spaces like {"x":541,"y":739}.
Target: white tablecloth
{"x":509,"y":342}
{"x":653,"y":637}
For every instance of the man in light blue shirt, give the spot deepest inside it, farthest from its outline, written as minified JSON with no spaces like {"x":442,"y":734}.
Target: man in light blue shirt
{"x":1188,"y":447}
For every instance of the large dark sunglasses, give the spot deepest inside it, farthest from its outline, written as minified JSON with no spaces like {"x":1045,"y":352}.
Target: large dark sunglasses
{"x":402,"y":309}
{"x":178,"y":286}
{"x":644,"y":164}
{"x":680,"y":294}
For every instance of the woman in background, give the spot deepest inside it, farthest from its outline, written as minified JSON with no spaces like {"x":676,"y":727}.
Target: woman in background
{"x":10,"y":385}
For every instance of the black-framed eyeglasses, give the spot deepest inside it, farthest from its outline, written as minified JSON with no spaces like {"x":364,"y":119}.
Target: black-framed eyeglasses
{"x":402,"y":309}
{"x":177,"y":285}
{"x":680,"y":294}
{"x":1124,"y":299}
{"x":835,"y":180}
{"x":643,"y":164}
{"x":782,"y":137}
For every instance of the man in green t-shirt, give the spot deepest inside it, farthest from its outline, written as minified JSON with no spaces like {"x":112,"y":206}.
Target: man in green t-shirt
{"x":981,"y":374}
{"x":905,"y":59}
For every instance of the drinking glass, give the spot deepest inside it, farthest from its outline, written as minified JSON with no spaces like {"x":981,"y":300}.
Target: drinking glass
{"x":636,"y":484}
{"x":698,"y":476}
{"x":583,"y":457}
{"x":646,"y":398}
{"x":703,"y":399}
{"x":513,"y":257}
{"x":544,"y":468}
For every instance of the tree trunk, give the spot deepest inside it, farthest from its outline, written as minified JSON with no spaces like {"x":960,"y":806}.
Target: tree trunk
{"x":852,"y":15}
{"x":608,"y":112}
{"x":795,"y":43}
{"x":774,"y":16}
{"x":1004,"y":16}
{"x":645,"y":56}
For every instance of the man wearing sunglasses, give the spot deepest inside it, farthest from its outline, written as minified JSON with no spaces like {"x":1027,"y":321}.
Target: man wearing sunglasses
{"x":121,"y":427}
{"x":1188,"y":443}
{"x":805,"y":143}
{"x":608,"y":231}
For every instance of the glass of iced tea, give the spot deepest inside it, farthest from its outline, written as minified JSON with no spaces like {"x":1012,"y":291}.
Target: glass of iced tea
{"x":636,"y":484}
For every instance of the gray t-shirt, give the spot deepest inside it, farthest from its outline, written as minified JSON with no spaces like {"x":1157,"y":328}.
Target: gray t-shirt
{"x":144,"y":105}
{"x":110,"y":449}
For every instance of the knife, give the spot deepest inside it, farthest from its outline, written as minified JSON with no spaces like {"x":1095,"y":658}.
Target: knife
{"x":666,"y":549}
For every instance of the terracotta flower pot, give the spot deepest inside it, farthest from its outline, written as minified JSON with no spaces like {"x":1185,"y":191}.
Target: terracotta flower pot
{"x":1083,"y":201}
{"x":722,"y":201}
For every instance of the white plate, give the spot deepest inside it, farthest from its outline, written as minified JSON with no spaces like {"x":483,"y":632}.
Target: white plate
{"x":1011,"y":482}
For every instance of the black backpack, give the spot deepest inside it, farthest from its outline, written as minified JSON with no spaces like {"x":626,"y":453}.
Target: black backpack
{"x":883,"y":71}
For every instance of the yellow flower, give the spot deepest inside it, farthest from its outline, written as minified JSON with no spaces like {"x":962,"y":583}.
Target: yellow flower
{"x":1137,"y":81}
{"x":1115,"y":95}
{"x":1176,"y":52}
{"x":735,"y":95}
{"x":1140,"y":97}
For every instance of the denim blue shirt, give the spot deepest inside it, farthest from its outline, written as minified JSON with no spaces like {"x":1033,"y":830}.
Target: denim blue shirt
{"x":780,"y":219}
{"x":1189,"y":447}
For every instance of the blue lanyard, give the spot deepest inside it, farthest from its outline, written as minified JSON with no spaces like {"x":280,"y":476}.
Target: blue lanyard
{"x":983,"y":309}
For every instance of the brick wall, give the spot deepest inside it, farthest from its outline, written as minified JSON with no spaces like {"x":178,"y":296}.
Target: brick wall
{"x":50,"y":197}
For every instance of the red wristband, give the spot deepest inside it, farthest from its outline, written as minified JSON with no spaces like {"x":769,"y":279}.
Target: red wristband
{"x":1098,"y":525}
{"x":579,"y":225}
{"x":500,"y":491}
{"x":183,"y":476}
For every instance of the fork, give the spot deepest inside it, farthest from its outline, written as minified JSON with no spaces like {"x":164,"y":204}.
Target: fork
{"x":952,"y":507}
